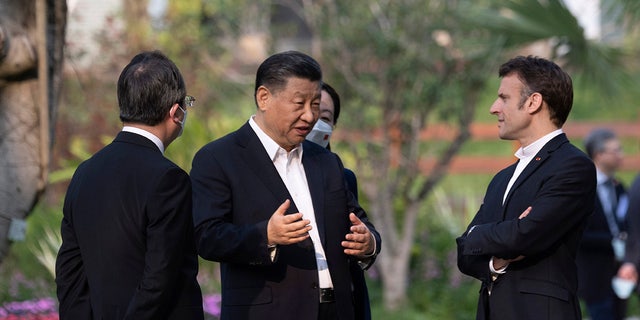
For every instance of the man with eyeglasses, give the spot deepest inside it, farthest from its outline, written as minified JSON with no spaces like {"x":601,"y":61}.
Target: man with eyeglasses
{"x":128,"y":249}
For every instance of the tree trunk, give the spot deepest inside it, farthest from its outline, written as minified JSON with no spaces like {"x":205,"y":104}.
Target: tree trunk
{"x":138,"y":25}
{"x":27,"y":104}
{"x":397,"y":240}
{"x":394,"y":270}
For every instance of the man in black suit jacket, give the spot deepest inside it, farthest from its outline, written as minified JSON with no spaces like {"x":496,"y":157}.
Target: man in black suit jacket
{"x":606,"y":230}
{"x":631,"y":265}
{"x":128,"y":250}
{"x":523,"y":241}
{"x":274,"y":208}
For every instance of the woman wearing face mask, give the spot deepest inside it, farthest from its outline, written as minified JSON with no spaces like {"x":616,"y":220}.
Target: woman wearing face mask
{"x":321,"y":134}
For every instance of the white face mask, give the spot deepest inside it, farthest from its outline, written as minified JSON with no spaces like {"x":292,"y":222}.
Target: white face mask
{"x":183,"y":122}
{"x":622,"y":287}
{"x":320,"y":133}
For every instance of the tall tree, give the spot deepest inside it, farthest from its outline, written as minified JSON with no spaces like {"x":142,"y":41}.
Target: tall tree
{"x":31,"y":46}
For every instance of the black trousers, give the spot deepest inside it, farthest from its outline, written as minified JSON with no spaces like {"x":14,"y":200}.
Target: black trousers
{"x":328,"y":311}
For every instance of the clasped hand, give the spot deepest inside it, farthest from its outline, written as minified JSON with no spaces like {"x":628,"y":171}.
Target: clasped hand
{"x":499,"y":263}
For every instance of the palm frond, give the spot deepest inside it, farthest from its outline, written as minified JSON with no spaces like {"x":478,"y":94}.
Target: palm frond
{"x":523,"y":22}
{"x":46,"y":249}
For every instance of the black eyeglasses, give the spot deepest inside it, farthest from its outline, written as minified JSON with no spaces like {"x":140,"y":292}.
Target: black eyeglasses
{"x":189,"y":101}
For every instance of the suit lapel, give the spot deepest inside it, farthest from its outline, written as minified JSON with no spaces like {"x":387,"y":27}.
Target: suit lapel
{"x":528,"y":170}
{"x":257,"y":159}
{"x":502,"y":188}
{"x":545,"y":153}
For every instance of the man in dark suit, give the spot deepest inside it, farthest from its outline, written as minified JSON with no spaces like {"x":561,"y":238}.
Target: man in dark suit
{"x":606,"y":230}
{"x":128,"y":250}
{"x":631,"y":264}
{"x":274,"y":209}
{"x":523,"y":240}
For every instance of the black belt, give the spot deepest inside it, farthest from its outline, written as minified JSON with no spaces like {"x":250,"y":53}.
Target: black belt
{"x":327,"y":295}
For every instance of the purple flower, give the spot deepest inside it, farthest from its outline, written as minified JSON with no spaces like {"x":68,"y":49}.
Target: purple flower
{"x":40,"y":309}
{"x":211,"y":304}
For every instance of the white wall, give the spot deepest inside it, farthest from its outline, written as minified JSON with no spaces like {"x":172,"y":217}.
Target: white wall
{"x":86,"y":19}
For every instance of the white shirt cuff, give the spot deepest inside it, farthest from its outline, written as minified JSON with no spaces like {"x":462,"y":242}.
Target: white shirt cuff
{"x":502,"y":270}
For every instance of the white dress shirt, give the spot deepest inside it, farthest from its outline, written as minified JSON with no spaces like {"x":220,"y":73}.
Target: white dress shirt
{"x":291,"y":170}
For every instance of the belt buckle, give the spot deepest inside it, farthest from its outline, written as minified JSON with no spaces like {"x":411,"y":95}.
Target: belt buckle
{"x":327,"y":295}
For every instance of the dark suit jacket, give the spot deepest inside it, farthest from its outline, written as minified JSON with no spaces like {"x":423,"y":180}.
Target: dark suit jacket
{"x":632,"y":253}
{"x":559,"y":184}
{"x":236,"y":190}
{"x":596,"y":261}
{"x":128,"y":249}
{"x":360,"y":290}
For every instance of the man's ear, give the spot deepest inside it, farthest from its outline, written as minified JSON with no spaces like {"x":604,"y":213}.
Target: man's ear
{"x":535,"y":102}
{"x":262,"y":97}
{"x":173,"y":113}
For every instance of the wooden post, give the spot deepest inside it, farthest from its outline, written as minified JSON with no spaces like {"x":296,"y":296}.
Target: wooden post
{"x":43,"y":86}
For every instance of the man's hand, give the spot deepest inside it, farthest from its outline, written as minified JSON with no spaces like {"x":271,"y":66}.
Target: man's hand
{"x":287,"y":229}
{"x":360,"y":241}
{"x":499,"y":263}
{"x":628,"y":271}
{"x":525,"y":213}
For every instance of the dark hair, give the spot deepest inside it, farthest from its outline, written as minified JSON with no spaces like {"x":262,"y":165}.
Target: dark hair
{"x":147,"y":88}
{"x":548,"y":79}
{"x":336,"y":101}
{"x":276,"y":70}
{"x":596,"y":140}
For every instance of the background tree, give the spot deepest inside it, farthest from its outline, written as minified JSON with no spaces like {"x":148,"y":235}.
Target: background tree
{"x":404,"y":65}
{"x":31,"y":46}
{"x":401,"y":67}
{"x":138,"y":24}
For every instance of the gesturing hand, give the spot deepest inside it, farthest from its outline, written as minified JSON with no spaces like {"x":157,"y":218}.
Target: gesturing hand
{"x":287,"y":229}
{"x":360,"y":241}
